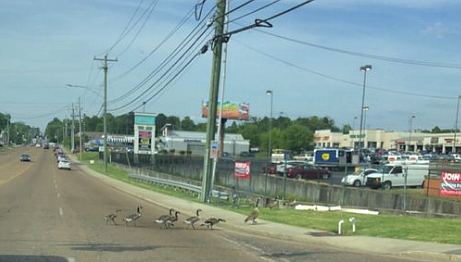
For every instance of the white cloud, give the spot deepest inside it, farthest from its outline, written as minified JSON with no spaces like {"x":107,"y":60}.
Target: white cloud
{"x":438,"y":30}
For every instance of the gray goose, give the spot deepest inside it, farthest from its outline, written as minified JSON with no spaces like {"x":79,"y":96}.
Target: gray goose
{"x":169,"y":222}
{"x":254,"y":214}
{"x":163,"y":218}
{"x":133,"y":217}
{"x":111,"y":217}
{"x":210,"y":222}
{"x":190,"y":221}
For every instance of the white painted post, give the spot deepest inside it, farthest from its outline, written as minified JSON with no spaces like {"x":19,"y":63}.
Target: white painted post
{"x":352,"y":220}
{"x":340,"y":223}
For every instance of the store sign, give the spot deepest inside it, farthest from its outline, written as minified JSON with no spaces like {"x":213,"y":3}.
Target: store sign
{"x":144,"y":132}
{"x":242,"y":170}
{"x":450,"y":184}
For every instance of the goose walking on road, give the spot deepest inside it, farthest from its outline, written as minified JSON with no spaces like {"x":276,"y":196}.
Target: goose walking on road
{"x":133,"y":217}
{"x":163,"y":218}
{"x":254,"y":214}
{"x":210,"y":222}
{"x":190,"y":221}
{"x":111,"y":217}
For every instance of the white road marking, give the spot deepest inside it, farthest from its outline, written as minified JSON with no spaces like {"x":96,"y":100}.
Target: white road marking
{"x":56,"y":186}
{"x":71,"y":259}
{"x":61,"y":212}
{"x":59,"y":195}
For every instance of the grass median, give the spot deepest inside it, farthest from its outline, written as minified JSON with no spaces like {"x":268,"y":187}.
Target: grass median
{"x":439,"y":230}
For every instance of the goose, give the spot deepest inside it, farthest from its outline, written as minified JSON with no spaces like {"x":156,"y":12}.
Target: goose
{"x":190,"y":221}
{"x":111,"y":217}
{"x":133,"y":217}
{"x":273,"y":204}
{"x":254,"y":214}
{"x":163,"y":218}
{"x":291,"y":203}
{"x":210,"y":222}
{"x":172,"y":219}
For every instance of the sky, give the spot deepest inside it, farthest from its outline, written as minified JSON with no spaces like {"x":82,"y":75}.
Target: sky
{"x":310,"y":58}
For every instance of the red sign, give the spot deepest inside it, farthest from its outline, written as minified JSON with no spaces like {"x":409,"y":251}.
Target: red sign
{"x":450,"y":184}
{"x":242,"y":170}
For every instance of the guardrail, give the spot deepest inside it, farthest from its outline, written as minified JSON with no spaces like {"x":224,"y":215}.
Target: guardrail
{"x":177,"y":184}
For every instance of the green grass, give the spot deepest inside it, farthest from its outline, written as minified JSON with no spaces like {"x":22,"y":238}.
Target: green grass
{"x":438,"y":230}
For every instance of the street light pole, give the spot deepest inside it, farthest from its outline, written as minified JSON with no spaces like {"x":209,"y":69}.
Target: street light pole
{"x":365,"y":109}
{"x":456,"y":126}
{"x":364,"y":69}
{"x":269,"y":153}
{"x":411,"y":129}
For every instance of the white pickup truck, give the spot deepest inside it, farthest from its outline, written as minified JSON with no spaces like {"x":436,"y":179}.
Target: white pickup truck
{"x":393,"y":175}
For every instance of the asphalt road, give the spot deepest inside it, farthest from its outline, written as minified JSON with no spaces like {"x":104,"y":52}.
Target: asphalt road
{"x":48,"y":214}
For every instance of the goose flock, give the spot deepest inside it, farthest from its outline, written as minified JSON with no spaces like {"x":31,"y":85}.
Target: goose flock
{"x":169,"y":220}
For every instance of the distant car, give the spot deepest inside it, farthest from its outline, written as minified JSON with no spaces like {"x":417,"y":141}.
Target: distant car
{"x":358,"y":178}
{"x":308,"y":172}
{"x":92,"y":149}
{"x":64,"y":164}
{"x":38,"y":145}
{"x":25,"y":158}
{"x":290,"y":163}
{"x":46,"y":146}
{"x":61,"y":158}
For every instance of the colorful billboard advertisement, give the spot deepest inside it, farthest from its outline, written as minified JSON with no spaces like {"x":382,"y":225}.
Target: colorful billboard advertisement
{"x":145,"y":140}
{"x":450,"y":184}
{"x":242,"y":170}
{"x":231,"y":110}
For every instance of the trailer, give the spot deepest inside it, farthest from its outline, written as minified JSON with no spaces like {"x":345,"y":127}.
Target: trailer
{"x":335,"y":157}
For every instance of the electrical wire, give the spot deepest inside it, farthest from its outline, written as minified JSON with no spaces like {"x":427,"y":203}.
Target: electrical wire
{"x":140,"y":29}
{"x":122,"y":35}
{"x":377,"y":57}
{"x":254,"y":11}
{"x":178,"y":26}
{"x":339,"y":79}
{"x":164,"y":74}
{"x":168,"y":59}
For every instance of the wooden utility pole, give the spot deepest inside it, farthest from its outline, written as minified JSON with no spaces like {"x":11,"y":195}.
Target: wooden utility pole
{"x":213,"y":98}
{"x":105,"y":67}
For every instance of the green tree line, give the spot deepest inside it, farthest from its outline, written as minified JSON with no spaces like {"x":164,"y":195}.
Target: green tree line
{"x":19,"y":132}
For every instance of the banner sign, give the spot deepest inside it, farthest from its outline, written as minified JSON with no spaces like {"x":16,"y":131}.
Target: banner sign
{"x":214,"y":150}
{"x":242,"y":170}
{"x":231,"y":110}
{"x":450,"y":184}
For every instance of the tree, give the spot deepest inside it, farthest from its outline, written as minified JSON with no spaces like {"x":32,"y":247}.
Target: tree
{"x":54,"y":130}
{"x":346,"y":129}
{"x":297,"y":138}
{"x":187,"y":124}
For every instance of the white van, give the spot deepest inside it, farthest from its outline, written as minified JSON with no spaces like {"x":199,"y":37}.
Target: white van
{"x":393,"y":175}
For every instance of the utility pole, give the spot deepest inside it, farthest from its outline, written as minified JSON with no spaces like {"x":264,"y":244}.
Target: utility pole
{"x":73,"y":130}
{"x":80,"y":127}
{"x":213,"y":98}
{"x":105,"y":67}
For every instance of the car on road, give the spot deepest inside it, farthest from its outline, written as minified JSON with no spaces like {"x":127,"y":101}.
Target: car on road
{"x":64,"y":164}
{"x":358,"y":178}
{"x":25,"y":158}
{"x":308,"y":171}
{"x":61,"y":158}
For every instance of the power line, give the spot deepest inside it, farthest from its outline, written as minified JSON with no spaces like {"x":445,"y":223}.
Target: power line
{"x":254,"y":11}
{"x":140,"y":29}
{"x":339,"y":79}
{"x":377,"y":57}
{"x":122,"y":35}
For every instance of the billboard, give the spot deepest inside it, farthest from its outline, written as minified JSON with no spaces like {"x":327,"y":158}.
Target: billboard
{"x":450,"y":184}
{"x":231,"y":110}
{"x":145,"y":140}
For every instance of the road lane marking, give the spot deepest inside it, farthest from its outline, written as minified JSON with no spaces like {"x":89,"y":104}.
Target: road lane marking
{"x":56,"y":186}
{"x":71,"y":259}
{"x":61,"y":212}
{"x":59,"y":195}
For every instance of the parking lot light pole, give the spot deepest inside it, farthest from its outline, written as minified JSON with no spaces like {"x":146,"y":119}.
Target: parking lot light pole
{"x":456,"y":126}
{"x":364,"y":69}
{"x":271,"y":94}
{"x":411,"y":130}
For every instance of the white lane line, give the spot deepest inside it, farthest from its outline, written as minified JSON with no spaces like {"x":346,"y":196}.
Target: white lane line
{"x":61,"y":212}
{"x":59,"y":195}
{"x":56,"y":186}
{"x":71,"y":259}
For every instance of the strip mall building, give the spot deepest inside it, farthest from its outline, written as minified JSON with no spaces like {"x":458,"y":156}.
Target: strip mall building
{"x":378,"y":138}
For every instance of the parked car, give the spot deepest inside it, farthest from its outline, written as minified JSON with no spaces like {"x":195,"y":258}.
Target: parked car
{"x":308,"y":171}
{"x":290,"y":163}
{"x":25,"y":158}
{"x":64,"y":164}
{"x":358,"y":178}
